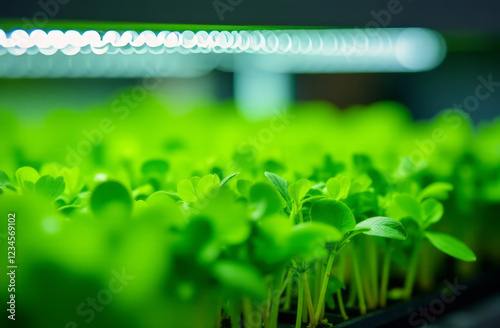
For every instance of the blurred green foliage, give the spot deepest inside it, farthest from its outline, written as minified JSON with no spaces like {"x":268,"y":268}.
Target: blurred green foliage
{"x":183,"y":205}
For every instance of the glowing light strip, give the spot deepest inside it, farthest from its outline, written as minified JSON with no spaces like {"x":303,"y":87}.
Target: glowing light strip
{"x":340,"y":50}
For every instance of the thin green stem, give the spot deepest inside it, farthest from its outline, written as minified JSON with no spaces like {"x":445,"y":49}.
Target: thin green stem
{"x":384,"y":283}
{"x":365,"y":268}
{"x":288,"y":296}
{"x":352,"y":294}
{"x":287,"y":284}
{"x":266,"y":311}
{"x":411,"y":274}
{"x":292,"y":215}
{"x":324,"y":286}
{"x":300,"y":305}
{"x":250,"y":320}
{"x":310,"y":307}
{"x":357,"y":279}
{"x":340,"y":275}
{"x":218,"y":318}
{"x":317,"y":282}
{"x":340,"y":300}
{"x":373,"y":261}
{"x":305,"y":312}
{"x":235,"y":313}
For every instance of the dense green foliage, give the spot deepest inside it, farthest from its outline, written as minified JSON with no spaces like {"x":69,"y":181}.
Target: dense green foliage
{"x":214,"y":216}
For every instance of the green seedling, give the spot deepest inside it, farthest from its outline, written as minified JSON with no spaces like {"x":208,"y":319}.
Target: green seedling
{"x":426,"y":211}
{"x":332,"y":212}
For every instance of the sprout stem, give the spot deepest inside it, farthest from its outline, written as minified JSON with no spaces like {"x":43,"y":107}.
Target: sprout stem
{"x":218,"y":318}
{"x":340,"y":275}
{"x":373,"y":260}
{"x":357,"y":278}
{"x":384,"y":283}
{"x":309,"y":300}
{"x":324,"y":286}
{"x":300,"y":305}
{"x":411,"y":274}
{"x":341,"y":305}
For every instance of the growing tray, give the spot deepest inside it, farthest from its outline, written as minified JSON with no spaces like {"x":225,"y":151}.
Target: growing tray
{"x":398,"y":315}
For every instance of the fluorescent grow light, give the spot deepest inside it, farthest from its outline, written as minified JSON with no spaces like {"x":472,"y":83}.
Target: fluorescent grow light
{"x":57,"y":53}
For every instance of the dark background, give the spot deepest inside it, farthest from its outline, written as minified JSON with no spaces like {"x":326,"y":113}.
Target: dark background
{"x":444,"y":14}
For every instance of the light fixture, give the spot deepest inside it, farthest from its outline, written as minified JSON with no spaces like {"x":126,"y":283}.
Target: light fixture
{"x":262,"y":60}
{"x":70,"y":53}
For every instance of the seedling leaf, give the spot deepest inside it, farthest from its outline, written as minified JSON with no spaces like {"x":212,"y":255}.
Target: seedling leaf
{"x":433,"y":211}
{"x":409,"y":206}
{"x":27,"y":177}
{"x":73,"y":181}
{"x":451,"y":246}
{"x":110,"y":193}
{"x":4,"y":179}
{"x":266,"y":200}
{"x":310,"y":238}
{"x":383,"y":227}
{"x":240,"y":277}
{"x":49,"y":187}
{"x":334,"y":284}
{"x":299,"y":189}
{"x":338,"y":187}
{"x":317,"y":231}
{"x":280,"y":184}
{"x":438,"y":190}
{"x":208,"y":186}
{"x":229,"y":177}
{"x":243,"y":186}
{"x":156,"y":167}
{"x":186,"y":191}
{"x":333,"y":213}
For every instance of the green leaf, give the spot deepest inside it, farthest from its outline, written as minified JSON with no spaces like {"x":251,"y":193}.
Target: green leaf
{"x":4,"y":179}
{"x":360,"y":184}
{"x":187,"y":191}
{"x":73,"y":181}
{"x":156,"y":167}
{"x":27,"y":177}
{"x":111,"y":198}
{"x":432,"y":210}
{"x":451,"y":246}
{"x":69,"y":209}
{"x":438,"y":190}
{"x":226,"y":179}
{"x":280,"y":184}
{"x":265,"y":199}
{"x":194,"y":181}
{"x":396,"y":293}
{"x":334,"y":213}
{"x":240,"y":277}
{"x":310,"y":238}
{"x":298,"y":190}
{"x":308,"y":231}
{"x":383,"y":227}
{"x":160,"y":198}
{"x":409,"y":206}
{"x":338,"y":187}
{"x":334,"y":284}
{"x":49,"y":187}
{"x":208,"y":186}
{"x":243,"y":186}
{"x":229,"y":218}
